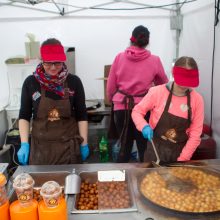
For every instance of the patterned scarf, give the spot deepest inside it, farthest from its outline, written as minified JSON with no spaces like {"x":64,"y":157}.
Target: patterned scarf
{"x":52,"y":83}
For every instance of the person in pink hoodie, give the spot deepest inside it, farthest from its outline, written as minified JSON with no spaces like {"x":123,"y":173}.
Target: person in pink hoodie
{"x":132,"y":74}
{"x":177,"y":115}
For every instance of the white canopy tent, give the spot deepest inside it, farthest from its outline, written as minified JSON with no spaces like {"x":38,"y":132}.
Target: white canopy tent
{"x":99,"y":29}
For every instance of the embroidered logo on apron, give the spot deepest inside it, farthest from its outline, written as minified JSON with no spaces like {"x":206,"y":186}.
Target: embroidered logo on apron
{"x":53,"y":115}
{"x":170,"y":135}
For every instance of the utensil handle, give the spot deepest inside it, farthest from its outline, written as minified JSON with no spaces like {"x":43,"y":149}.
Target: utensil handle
{"x":155,"y":151}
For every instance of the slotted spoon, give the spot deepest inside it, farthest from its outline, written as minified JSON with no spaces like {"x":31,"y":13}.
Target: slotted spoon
{"x":173,"y":182}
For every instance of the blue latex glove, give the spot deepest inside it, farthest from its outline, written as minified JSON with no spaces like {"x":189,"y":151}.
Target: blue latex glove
{"x":23,"y":153}
{"x":84,"y":150}
{"x":147,"y":132}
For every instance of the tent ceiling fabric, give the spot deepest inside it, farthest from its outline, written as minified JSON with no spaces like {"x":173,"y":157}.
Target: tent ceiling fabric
{"x":65,"y":7}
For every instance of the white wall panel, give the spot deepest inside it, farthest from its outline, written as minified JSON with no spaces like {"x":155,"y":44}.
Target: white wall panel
{"x":197,"y":41}
{"x":97,"y":41}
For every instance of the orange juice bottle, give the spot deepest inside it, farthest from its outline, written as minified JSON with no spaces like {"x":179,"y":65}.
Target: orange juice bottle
{"x":53,"y":206}
{"x":20,"y":212}
{"x":4,"y":203}
{"x":58,"y":212}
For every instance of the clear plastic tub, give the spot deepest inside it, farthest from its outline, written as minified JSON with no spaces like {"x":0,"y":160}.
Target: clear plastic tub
{"x":23,"y":185}
{"x":51,"y":193}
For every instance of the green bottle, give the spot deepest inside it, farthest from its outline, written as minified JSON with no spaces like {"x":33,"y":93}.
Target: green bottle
{"x":103,"y":150}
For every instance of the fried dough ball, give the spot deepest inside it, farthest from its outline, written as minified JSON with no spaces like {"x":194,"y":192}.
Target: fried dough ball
{"x":205,"y":197}
{"x":103,"y":195}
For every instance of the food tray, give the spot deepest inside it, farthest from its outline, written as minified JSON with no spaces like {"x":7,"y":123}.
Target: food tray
{"x":204,"y":199}
{"x":92,"y":178}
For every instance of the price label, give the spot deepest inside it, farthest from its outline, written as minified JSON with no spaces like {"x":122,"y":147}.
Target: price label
{"x":111,"y":175}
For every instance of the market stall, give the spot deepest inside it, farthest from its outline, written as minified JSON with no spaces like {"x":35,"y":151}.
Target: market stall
{"x":141,"y":205}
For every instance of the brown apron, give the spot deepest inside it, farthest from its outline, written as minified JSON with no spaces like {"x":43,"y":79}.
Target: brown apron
{"x":169,"y":135}
{"x":128,"y":101}
{"x":55,"y":135}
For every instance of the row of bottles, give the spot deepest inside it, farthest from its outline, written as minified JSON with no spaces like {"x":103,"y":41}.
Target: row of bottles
{"x":115,"y":149}
{"x":52,"y":207}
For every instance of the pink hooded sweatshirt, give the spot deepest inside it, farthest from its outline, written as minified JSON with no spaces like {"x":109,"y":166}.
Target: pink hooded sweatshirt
{"x":134,"y":71}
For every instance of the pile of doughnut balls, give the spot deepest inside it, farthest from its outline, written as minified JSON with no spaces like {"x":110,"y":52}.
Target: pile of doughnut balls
{"x":205,"y":197}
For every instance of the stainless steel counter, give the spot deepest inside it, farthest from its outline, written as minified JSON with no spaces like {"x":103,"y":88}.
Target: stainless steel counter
{"x":146,"y":210}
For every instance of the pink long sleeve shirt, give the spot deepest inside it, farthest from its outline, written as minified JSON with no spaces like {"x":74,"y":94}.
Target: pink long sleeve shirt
{"x":134,"y":71}
{"x":155,"y":102}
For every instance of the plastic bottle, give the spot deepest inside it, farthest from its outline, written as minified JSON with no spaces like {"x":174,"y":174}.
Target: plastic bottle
{"x":134,"y":153}
{"x":115,"y":151}
{"x":103,"y":150}
{"x":4,"y":203}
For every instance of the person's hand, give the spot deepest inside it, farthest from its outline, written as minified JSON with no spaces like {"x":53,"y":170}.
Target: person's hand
{"x":84,"y":150}
{"x":23,"y":153}
{"x":147,"y":132}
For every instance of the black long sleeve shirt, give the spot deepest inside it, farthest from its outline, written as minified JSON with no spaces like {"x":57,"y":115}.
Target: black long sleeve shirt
{"x":30,"y":101}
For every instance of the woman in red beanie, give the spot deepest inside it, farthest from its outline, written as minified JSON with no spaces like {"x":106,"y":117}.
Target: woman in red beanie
{"x":177,"y":115}
{"x":55,"y":100}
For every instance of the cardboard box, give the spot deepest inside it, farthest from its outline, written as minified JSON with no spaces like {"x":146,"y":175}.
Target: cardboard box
{"x":105,"y":78}
{"x":106,"y":72}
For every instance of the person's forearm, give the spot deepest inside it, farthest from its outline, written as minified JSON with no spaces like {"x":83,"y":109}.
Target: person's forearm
{"x":24,"y":129}
{"x":83,"y":131}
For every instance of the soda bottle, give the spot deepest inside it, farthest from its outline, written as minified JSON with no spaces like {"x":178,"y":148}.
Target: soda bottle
{"x":103,"y":150}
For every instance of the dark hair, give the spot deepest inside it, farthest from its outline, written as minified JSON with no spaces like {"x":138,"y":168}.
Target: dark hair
{"x":50,"y":41}
{"x":141,"y":35}
{"x":187,"y":62}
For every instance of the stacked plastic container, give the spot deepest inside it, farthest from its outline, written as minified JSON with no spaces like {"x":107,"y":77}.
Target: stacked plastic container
{"x":25,"y":207}
{"x":53,"y":206}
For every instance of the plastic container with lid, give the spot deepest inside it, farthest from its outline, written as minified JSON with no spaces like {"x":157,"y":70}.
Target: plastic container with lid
{"x":4,"y":203}
{"x":51,"y":193}
{"x":23,"y":185}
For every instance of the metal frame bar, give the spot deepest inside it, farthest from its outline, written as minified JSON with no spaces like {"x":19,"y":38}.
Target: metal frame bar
{"x":62,"y":12}
{"x":137,"y":3}
{"x":35,"y":9}
{"x":87,"y":8}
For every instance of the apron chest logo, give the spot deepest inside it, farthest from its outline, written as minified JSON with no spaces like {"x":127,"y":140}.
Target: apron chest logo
{"x":53,"y":115}
{"x":170,"y":135}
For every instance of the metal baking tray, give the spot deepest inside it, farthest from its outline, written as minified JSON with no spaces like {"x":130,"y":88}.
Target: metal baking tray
{"x":92,"y":177}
